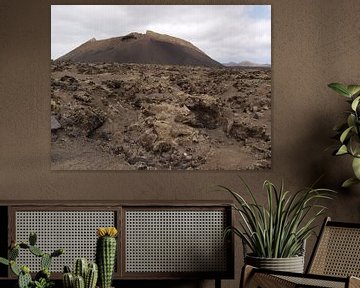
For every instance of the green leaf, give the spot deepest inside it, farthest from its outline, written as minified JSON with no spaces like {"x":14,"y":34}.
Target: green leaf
{"x":13,"y":253}
{"x":349,"y":182}
{"x":36,"y":251}
{"x":4,"y":261}
{"x":351,"y":120}
{"x":356,"y":167}
{"x":340,"y":88}
{"x":14,"y":268}
{"x":279,"y":228}
{"x":32,"y":238}
{"x":345,"y":134}
{"x":355,"y":103}
{"x":342,"y":150}
{"x":354,"y":145}
{"x":353,"y":89}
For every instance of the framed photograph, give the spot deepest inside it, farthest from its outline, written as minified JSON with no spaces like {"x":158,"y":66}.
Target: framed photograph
{"x":160,"y":87}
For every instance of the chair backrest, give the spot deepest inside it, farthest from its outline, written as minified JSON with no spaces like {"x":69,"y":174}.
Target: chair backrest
{"x":337,"y":251}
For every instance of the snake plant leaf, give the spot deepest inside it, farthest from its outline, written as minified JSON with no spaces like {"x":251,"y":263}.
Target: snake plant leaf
{"x":340,"y":88}
{"x":356,"y":167}
{"x":355,"y":103}
{"x":353,"y":89}
{"x":345,"y":134}
{"x":349,"y":182}
{"x":342,"y":150}
{"x":279,"y":228}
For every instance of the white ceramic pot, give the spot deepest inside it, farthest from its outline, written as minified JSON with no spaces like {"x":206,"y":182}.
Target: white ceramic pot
{"x":291,"y":264}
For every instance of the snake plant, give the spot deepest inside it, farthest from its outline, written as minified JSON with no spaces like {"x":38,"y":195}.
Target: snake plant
{"x":348,"y":132}
{"x":279,"y":228}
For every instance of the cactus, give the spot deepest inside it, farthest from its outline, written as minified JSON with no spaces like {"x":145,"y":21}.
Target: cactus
{"x":36,"y":251}
{"x":79,"y":282}
{"x":57,"y":252}
{"x":24,"y":280}
{"x":14,"y":268}
{"x":89,"y":272}
{"x":105,"y":254}
{"x":24,"y":246}
{"x":42,"y":278}
{"x":44,"y":273}
{"x":80,"y":267}
{"x":13,"y":253}
{"x":45,"y":261}
{"x":91,"y":276}
{"x":68,"y":280}
{"x":4,"y":261}
{"x":32,"y":238}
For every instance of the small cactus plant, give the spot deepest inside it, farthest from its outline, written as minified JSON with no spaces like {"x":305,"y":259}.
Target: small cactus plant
{"x":85,"y":275}
{"x":106,"y":254}
{"x":42,"y":278}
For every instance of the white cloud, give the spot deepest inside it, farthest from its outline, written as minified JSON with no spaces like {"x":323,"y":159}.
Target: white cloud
{"x":225,"y":32}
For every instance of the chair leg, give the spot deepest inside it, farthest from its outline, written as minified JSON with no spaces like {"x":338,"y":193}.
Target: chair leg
{"x":250,"y":278}
{"x":246,"y":273}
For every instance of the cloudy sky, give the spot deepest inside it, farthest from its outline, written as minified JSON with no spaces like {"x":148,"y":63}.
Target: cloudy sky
{"x":227,"y":33}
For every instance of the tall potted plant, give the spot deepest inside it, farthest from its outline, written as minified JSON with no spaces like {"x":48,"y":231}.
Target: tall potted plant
{"x":348,"y":132}
{"x":276,"y":233}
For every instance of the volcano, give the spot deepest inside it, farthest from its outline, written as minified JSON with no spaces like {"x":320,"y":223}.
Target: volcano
{"x":148,"y":48}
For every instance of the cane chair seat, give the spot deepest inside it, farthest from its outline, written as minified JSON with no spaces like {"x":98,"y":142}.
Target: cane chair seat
{"x":335,"y":262}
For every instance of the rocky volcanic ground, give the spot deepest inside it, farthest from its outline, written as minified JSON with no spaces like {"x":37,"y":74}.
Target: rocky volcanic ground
{"x":152,"y":117}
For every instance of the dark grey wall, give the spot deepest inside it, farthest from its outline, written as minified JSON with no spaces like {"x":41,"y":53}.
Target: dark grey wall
{"x":314,"y":43}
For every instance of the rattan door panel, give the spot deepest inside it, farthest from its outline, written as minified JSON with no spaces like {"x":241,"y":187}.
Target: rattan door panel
{"x":165,"y":242}
{"x":73,"y":230}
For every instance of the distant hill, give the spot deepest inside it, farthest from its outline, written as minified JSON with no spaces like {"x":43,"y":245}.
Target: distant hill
{"x":149,"y":48}
{"x":245,"y":64}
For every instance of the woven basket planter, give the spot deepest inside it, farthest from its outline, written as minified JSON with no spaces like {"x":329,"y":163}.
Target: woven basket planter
{"x":291,"y":264}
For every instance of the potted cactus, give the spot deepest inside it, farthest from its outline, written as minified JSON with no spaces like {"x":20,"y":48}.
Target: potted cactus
{"x":84,"y":275}
{"x":106,"y":254}
{"x":42,"y":278}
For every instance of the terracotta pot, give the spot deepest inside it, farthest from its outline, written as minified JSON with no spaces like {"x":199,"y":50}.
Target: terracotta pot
{"x":291,"y":264}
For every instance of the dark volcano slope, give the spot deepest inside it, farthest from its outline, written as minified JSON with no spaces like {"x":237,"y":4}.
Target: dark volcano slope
{"x":149,"y":48}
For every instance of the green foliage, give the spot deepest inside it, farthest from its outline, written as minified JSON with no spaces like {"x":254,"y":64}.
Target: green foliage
{"x":85,"y":275}
{"x":91,"y":276}
{"x":80,"y":268}
{"x":24,"y":280}
{"x":280,"y":229}
{"x":348,"y":132}
{"x":79,"y":282}
{"x":42,"y":278}
{"x":42,"y":283}
{"x":45,"y":261}
{"x":105,"y":259}
{"x":36,"y":251}
{"x":32,"y":239}
{"x":4,"y":261}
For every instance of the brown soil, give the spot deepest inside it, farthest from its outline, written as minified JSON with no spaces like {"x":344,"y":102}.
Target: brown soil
{"x":151,"y":117}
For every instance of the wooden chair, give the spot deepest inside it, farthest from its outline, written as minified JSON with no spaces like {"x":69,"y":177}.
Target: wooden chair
{"x":335,"y":262}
